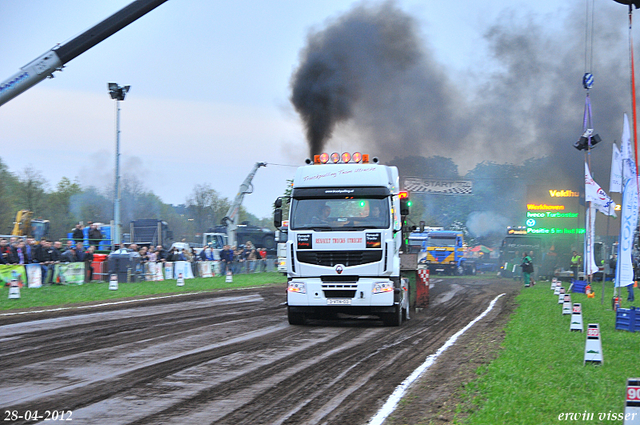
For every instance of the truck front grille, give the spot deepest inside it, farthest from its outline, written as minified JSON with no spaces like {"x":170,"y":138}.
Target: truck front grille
{"x":346,"y":258}
{"x":338,"y":290}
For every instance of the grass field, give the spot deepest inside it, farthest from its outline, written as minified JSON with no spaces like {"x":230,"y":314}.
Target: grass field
{"x":58,"y":295}
{"x":539,"y":373}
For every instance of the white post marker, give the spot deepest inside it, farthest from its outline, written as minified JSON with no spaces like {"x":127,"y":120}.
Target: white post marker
{"x":554,"y":283}
{"x":229,"y":277}
{"x":180,"y":280}
{"x":561,"y":296}
{"x":632,"y":404}
{"x":576,"y":318}
{"x":566,"y":304}
{"x":593,"y":346}
{"x":556,"y":290}
{"x":14,"y":290}
{"x":113,"y":282}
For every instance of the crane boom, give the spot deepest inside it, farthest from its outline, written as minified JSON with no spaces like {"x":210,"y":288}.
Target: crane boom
{"x":53,"y":60}
{"x":231,"y":219}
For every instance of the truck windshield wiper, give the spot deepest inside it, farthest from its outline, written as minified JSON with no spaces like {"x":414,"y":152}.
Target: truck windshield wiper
{"x":320,"y":228}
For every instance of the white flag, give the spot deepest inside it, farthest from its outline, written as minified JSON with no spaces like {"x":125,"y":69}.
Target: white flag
{"x":625,"y":141}
{"x":628,"y":164}
{"x":628,"y":223}
{"x":615,"y":183}
{"x":593,"y":193}
{"x":590,"y":266}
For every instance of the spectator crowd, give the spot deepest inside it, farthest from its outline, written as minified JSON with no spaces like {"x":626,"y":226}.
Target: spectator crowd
{"x":48,"y":253}
{"x":16,"y":250}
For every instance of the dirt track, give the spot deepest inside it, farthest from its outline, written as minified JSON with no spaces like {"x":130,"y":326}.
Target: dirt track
{"x":231,"y":358}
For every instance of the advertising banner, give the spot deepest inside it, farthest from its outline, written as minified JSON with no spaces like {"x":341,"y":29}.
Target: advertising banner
{"x":168,"y":270}
{"x":159,"y":275}
{"x":150,"y":271}
{"x":215,"y":267}
{"x":69,"y":273}
{"x":183,"y":267}
{"x":11,"y":272}
{"x":205,"y":268}
{"x":34,"y":275}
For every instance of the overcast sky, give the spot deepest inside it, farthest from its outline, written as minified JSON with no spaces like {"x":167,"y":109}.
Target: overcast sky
{"x":210,"y":85}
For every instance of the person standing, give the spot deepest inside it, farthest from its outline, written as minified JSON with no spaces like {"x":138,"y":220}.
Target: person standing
{"x":532,"y":273}
{"x":263,"y":259}
{"x":69,"y":256}
{"x":576,"y":262}
{"x":5,"y":251}
{"x":527,"y":269}
{"x":226,"y":256}
{"x":78,"y":233}
{"x":161,"y":254}
{"x":95,"y":236}
{"x":88,"y":264}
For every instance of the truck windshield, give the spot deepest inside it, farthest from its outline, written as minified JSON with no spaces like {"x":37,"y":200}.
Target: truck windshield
{"x":340,"y":214}
{"x":442,"y":241}
{"x":215,"y":241}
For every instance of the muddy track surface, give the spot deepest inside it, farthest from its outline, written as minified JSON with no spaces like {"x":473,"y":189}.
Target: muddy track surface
{"x":225,"y":358}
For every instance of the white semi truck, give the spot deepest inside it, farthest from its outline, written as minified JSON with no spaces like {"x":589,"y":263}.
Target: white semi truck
{"x":344,"y":240}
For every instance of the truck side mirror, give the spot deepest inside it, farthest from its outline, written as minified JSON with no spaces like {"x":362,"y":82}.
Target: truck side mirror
{"x":278,"y":203}
{"x":277,"y":218}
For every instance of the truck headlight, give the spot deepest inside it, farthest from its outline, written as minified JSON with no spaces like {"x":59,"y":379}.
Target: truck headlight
{"x":298,"y":287}
{"x":381,"y":287}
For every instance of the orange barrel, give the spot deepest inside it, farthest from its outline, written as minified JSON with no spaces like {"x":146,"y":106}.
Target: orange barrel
{"x":99,"y":267}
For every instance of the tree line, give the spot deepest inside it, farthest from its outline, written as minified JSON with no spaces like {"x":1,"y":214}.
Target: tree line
{"x":68,"y":202}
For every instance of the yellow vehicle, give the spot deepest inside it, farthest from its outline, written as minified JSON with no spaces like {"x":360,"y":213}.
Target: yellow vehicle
{"x":26,"y":225}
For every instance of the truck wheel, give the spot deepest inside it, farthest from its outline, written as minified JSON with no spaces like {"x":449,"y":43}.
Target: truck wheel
{"x":472,"y":270}
{"x":459,"y":270}
{"x":395,"y":318}
{"x":295,"y":318}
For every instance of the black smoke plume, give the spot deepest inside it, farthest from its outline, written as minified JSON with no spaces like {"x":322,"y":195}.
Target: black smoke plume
{"x":371,"y":71}
{"x":359,"y":51}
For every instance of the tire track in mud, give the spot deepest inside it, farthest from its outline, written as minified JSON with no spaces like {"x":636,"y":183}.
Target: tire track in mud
{"x":36,"y":346}
{"x":330,"y":371}
{"x":260,"y":370}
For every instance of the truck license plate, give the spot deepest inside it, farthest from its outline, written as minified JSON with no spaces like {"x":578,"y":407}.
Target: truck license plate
{"x":339,"y":301}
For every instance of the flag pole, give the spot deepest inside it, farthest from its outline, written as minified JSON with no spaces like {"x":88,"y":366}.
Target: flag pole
{"x":633,"y":88}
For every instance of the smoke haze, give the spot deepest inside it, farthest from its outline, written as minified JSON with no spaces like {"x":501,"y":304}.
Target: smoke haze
{"x":370,"y":76}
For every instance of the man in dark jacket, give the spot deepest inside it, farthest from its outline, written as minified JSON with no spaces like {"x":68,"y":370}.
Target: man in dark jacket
{"x":95,"y":236}
{"x":80,"y":254}
{"x":54,"y":255}
{"x":78,"y":234}
{"x":226,"y":256}
{"x":41,"y":256}
{"x":19,"y":254}
{"x":69,"y":256}
{"x":5,"y":251}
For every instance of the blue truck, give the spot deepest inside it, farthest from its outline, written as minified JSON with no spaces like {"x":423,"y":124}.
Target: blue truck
{"x":443,"y":251}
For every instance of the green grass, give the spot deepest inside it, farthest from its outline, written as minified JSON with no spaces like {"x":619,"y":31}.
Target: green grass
{"x":57,"y":295}
{"x":539,"y":373}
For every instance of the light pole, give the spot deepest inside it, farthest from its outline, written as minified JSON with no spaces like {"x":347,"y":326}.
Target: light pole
{"x":117,"y":93}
